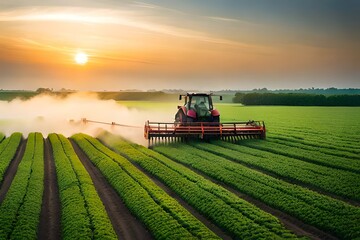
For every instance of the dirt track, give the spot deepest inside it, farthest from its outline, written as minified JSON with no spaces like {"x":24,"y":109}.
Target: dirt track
{"x":11,"y":171}
{"x":125,"y":224}
{"x":49,"y":226}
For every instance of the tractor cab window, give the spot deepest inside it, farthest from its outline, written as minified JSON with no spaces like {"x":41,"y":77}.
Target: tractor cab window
{"x":200,"y":102}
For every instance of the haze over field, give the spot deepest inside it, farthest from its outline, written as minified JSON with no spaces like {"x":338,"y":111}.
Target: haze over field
{"x":156,"y":44}
{"x":49,"y":114}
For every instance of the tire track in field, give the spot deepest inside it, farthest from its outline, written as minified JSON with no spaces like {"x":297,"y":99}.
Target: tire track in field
{"x":11,"y":171}
{"x":49,"y":226}
{"x":124,"y":223}
{"x":172,"y":194}
{"x":295,"y":225}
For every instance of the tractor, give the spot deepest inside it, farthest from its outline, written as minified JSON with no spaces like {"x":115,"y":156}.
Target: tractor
{"x":198,"y":118}
{"x":198,"y":107}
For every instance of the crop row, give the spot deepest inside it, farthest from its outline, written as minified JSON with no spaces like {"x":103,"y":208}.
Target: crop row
{"x":160,"y":213}
{"x":338,"y":154}
{"x":238,"y":217}
{"x":325,"y":145}
{"x":8,"y":148}
{"x":311,"y":136}
{"x":20,"y":210}
{"x":318,"y":210}
{"x":83,"y":215}
{"x":336,"y":181}
{"x":333,"y":130}
{"x":294,"y":150}
{"x":329,"y":145}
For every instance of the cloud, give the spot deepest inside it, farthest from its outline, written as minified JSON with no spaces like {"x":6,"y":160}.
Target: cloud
{"x":154,"y":6}
{"x":128,"y":18}
{"x":223,"y":19}
{"x":232,"y":20}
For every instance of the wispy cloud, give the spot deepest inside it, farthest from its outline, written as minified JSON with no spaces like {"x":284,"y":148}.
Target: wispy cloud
{"x":24,"y":43}
{"x":223,"y":19}
{"x":155,"y":7}
{"x":108,"y":16}
{"x":124,"y":59}
{"x":230,"y":20}
{"x":95,"y":55}
{"x":69,"y":14}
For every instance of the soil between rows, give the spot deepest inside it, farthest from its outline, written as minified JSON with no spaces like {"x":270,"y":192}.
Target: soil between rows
{"x":49,"y":226}
{"x":124,"y":223}
{"x":11,"y":171}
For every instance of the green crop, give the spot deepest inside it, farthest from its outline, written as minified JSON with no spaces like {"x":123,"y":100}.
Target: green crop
{"x":322,"y":147}
{"x":337,"y":159}
{"x":336,"y":181}
{"x":239,"y":218}
{"x":20,"y":210}
{"x":318,"y":210}
{"x":8,"y":148}
{"x":162,"y":215}
{"x":83,"y":214}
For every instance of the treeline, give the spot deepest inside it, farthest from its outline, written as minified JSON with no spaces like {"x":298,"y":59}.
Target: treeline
{"x":296,"y":99}
{"x":316,"y":91}
{"x":138,"y":96}
{"x":117,"y":96}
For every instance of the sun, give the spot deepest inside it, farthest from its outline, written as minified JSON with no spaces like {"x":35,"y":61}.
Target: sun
{"x":81,"y":58}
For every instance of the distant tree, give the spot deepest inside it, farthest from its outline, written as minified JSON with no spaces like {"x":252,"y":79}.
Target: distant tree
{"x":44,"y":90}
{"x":296,"y":99}
{"x":238,"y":97}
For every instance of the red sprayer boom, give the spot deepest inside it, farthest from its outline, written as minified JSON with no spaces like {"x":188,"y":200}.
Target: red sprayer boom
{"x":204,"y":130}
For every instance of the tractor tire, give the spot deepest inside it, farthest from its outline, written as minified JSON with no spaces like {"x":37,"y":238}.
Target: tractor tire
{"x":180,"y":117}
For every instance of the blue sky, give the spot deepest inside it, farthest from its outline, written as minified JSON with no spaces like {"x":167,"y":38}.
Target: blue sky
{"x":232,"y":44}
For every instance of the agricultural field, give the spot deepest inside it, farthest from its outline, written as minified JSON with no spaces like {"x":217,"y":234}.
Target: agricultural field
{"x":302,"y":182}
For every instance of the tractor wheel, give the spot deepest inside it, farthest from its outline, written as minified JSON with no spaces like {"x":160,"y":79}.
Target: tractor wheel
{"x":180,"y":117}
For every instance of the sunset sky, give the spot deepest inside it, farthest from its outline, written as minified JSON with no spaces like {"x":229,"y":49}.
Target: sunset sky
{"x":188,"y":44}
